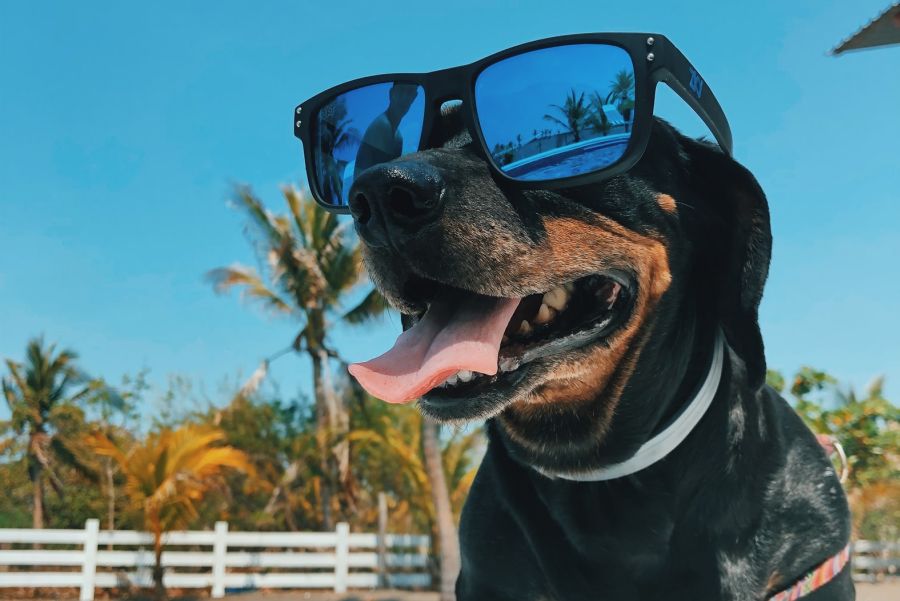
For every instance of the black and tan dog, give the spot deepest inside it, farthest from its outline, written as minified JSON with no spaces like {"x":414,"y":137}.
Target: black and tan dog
{"x":624,"y":288}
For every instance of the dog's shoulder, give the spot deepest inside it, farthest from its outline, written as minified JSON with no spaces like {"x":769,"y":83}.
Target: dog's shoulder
{"x":806,"y":518}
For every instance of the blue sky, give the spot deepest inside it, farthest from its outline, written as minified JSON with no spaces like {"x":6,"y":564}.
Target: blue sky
{"x":123,"y":126}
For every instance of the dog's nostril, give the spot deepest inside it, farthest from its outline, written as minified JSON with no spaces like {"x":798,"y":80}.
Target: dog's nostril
{"x":402,"y":201}
{"x":360,"y":209}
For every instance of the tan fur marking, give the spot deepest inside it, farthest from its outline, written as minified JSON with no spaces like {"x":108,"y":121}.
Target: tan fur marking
{"x":773,"y":584}
{"x":666,"y":203}
{"x":574,"y":248}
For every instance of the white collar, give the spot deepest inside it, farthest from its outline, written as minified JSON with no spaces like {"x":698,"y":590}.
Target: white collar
{"x":665,"y":442}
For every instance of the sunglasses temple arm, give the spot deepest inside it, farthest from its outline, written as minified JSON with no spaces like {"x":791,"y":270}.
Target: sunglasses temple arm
{"x":679,"y":74}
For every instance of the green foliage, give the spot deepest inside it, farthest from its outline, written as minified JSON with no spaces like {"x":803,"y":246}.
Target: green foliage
{"x":868,"y":428}
{"x":385,"y":456}
{"x":274,"y":435}
{"x":15,"y":503}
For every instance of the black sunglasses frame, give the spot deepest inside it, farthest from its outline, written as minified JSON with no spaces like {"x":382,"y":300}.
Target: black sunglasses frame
{"x":655,"y":59}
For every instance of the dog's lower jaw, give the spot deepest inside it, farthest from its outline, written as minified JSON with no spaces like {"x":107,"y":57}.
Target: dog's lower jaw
{"x":581,"y":435}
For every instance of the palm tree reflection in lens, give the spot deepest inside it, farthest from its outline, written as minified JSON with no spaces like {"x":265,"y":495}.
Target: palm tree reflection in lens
{"x":574,"y":111}
{"x":622,"y":93}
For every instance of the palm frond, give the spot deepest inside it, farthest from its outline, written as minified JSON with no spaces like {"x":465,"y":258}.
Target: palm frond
{"x":370,"y":307}
{"x":169,"y":472}
{"x":259,"y":216}
{"x":294,"y":199}
{"x":553,"y":119}
{"x":251,"y":284}
{"x":68,"y":453}
{"x":100,"y":444}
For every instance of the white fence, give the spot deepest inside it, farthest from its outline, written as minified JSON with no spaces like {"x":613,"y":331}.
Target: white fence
{"x":874,"y":560}
{"x":234,"y":560}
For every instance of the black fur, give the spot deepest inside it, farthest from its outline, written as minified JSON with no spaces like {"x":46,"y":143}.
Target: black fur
{"x":743,"y":508}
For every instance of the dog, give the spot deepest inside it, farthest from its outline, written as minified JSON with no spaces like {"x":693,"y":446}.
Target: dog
{"x":629,"y":287}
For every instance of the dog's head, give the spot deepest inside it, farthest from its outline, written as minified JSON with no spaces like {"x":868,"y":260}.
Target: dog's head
{"x":618,"y":282}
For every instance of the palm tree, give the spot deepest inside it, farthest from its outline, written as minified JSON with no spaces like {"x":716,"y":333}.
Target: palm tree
{"x":621,"y":92}
{"x":335,"y":134}
{"x":42,"y":394}
{"x":310,"y":265}
{"x":598,"y":118}
{"x":621,"y":87}
{"x":575,"y":112}
{"x":167,"y":475}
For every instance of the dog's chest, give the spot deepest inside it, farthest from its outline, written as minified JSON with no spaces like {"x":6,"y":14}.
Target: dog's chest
{"x":529,"y":560}
{"x":564,"y":546}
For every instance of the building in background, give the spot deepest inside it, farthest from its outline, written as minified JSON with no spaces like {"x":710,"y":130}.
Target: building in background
{"x":883,"y":30}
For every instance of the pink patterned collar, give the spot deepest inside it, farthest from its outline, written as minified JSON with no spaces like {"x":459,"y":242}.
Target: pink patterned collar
{"x":818,"y":578}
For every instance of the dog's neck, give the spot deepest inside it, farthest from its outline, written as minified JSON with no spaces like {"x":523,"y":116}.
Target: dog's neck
{"x":674,"y":365}
{"x":667,"y":438}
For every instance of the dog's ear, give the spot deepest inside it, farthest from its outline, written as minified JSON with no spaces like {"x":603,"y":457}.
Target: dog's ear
{"x":736,"y":245}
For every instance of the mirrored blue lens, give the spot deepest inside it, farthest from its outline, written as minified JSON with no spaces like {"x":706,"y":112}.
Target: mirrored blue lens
{"x":361,"y":128}
{"x":557,"y":112}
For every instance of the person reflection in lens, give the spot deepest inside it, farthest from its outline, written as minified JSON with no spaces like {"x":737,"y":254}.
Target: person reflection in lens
{"x":382,"y":141}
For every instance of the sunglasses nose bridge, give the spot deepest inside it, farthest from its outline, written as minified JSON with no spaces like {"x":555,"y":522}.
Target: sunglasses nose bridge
{"x":447,"y":84}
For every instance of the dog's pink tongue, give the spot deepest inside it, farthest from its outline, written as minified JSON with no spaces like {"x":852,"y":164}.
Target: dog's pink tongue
{"x":457,"y":334}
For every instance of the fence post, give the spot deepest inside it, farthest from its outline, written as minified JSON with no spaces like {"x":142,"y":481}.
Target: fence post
{"x":341,"y":557}
{"x":425,"y":549}
{"x":382,"y":540}
{"x":89,"y":563}
{"x":220,"y":547}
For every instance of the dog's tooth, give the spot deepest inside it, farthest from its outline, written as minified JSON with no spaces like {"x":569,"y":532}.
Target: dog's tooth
{"x":465,"y":375}
{"x":525,"y":327}
{"x":545,"y":314}
{"x":508,"y":364}
{"x":452,"y":380}
{"x":557,"y":298}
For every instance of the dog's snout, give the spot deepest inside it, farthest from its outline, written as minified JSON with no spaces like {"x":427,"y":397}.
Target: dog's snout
{"x":393,"y":200}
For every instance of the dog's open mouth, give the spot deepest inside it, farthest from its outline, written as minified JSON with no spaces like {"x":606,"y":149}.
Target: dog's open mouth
{"x":465,"y":341}
{"x":543,"y":324}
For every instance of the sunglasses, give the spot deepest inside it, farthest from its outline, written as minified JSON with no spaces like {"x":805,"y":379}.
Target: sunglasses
{"x":558,"y":112}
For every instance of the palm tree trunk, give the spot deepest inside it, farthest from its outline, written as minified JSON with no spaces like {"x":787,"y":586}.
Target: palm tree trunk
{"x":37,"y":493}
{"x":111,"y":499}
{"x":447,"y":535}
{"x":37,"y":518}
{"x":323,"y":437}
{"x":338,"y":427}
{"x":159,"y":589}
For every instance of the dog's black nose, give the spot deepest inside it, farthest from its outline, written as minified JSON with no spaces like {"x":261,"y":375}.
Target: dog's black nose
{"x":393,"y":200}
